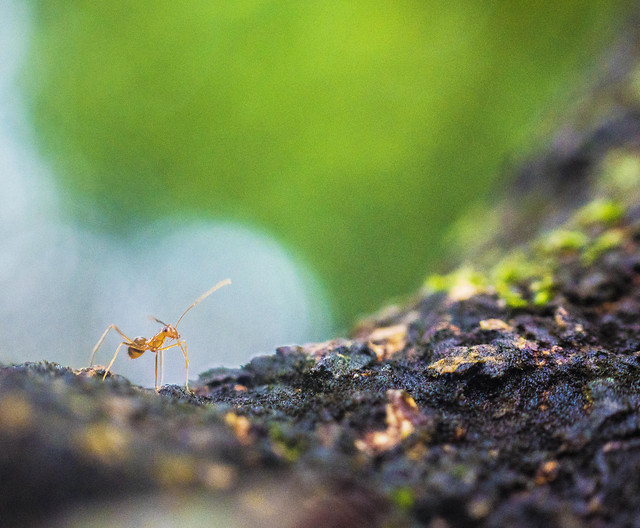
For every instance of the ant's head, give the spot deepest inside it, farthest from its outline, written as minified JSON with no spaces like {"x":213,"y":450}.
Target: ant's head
{"x":170,"y":332}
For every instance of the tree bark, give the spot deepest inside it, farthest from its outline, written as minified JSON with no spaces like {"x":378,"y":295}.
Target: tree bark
{"x":505,"y":393}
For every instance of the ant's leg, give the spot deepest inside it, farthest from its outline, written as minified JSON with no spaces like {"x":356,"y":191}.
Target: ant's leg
{"x":95,"y":348}
{"x":183,"y":346}
{"x":161,"y":352}
{"x":156,"y":380}
{"x":112,"y":360}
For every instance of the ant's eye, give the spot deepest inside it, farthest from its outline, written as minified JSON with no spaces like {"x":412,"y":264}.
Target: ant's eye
{"x":165,"y":329}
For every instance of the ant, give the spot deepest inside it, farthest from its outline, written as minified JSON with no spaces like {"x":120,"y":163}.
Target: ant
{"x":140,"y":345}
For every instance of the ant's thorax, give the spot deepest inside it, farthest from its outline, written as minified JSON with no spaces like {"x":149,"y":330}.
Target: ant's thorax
{"x":157,"y":341}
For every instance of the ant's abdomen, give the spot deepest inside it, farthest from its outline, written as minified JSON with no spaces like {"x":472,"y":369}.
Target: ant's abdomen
{"x":137,"y":352}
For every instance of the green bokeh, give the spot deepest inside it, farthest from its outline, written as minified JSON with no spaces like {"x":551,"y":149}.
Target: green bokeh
{"x":353,"y":132}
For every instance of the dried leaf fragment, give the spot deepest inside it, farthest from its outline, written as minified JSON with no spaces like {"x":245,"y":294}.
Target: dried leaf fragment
{"x":495,"y":324}
{"x":402,"y":418}
{"x":386,"y":341}
{"x":240,"y":426}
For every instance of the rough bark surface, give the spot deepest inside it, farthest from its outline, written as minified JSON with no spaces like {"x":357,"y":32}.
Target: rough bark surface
{"x":506,"y":393}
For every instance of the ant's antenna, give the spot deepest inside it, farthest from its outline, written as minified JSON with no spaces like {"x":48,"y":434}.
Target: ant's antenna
{"x":203,"y":297}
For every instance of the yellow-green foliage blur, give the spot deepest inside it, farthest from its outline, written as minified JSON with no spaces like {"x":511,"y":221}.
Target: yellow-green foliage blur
{"x":354,"y":133}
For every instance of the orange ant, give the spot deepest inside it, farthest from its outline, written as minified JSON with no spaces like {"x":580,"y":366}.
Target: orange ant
{"x":140,"y":345}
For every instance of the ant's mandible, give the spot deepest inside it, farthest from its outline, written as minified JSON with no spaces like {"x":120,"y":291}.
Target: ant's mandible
{"x":155,"y":344}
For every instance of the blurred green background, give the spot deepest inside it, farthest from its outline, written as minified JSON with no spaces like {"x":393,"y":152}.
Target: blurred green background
{"x":353,"y":133}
